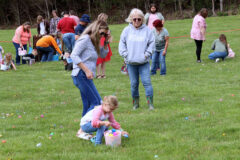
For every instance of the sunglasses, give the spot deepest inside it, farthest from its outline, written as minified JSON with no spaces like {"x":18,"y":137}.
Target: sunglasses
{"x":137,"y":19}
{"x":104,"y":34}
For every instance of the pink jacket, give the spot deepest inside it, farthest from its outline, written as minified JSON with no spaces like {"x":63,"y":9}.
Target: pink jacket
{"x":198,"y":23}
{"x":24,"y":36}
{"x":98,"y":113}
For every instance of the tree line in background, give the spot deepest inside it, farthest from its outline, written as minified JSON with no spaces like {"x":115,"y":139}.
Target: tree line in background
{"x":16,"y":12}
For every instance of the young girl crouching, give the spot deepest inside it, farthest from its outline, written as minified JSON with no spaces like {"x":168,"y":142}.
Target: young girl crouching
{"x":100,"y":118}
{"x":7,"y":63}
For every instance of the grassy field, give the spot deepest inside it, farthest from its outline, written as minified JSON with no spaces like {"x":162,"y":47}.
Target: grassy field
{"x":197,"y":113}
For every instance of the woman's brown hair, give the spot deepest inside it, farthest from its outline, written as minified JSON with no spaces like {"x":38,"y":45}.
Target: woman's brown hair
{"x":26,"y":24}
{"x":39,"y":19}
{"x":93,"y":31}
{"x":203,"y":12}
{"x":223,"y":39}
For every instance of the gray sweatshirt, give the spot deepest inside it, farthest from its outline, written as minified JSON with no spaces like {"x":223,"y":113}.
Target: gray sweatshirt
{"x":218,"y":46}
{"x":136,"y":44}
{"x":85,"y":52}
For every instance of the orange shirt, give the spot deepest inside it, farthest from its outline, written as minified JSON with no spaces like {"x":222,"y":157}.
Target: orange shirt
{"x":47,"y":41}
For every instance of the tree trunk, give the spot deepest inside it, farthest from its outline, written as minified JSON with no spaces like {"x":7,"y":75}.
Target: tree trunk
{"x":55,"y":4}
{"x":193,"y":5}
{"x":89,"y":7}
{"x":180,"y":6}
{"x":221,"y":5}
{"x":175,"y":5}
{"x":147,"y":4}
{"x":18,"y":13}
{"x":213,"y":8}
{"x":48,"y":16}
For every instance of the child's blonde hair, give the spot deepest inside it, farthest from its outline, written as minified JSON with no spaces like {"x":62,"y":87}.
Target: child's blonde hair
{"x":8,"y":57}
{"x":111,"y":100}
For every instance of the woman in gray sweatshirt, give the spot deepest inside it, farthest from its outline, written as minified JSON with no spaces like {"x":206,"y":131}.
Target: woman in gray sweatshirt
{"x":220,"y":48}
{"x":84,"y":55}
{"x":136,"y":45}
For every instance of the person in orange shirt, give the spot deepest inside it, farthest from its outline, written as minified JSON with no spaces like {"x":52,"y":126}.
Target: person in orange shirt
{"x":46,"y":46}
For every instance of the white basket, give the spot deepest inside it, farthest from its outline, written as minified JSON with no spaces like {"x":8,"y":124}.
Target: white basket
{"x":22,"y":52}
{"x":4,"y":67}
{"x":112,"y":139}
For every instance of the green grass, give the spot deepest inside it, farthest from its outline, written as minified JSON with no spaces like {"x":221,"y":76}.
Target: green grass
{"x":212,"y":130}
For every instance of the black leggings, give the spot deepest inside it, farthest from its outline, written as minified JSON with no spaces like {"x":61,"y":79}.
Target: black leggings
{"x":199,"y":48}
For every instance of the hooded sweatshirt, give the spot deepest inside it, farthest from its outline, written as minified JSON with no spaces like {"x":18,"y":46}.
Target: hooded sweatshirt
{"x":136,"y":44}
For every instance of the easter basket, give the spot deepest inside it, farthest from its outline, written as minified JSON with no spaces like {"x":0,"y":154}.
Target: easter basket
{"x":112,"y":138}
{"x":3,"y":67}
{"x":21,"y":51}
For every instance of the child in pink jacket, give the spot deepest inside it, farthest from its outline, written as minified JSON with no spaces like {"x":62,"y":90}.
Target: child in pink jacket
{"x":198,"y":31}
{"x":99,"y":119}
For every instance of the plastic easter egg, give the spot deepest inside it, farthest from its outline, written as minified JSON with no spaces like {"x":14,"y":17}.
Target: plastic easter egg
{"x":39,"y":145}
{"x":42,"y":116}
{"x":125,"y":135}
{"x":4,"y":141}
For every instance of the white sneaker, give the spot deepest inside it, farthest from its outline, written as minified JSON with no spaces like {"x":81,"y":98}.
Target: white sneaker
{"x":217,"y":60}
{"x":84,"y":136}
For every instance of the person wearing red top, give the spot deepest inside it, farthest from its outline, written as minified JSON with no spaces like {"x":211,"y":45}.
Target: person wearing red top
{"x":101,"y":65}
{"x":66,"y":26}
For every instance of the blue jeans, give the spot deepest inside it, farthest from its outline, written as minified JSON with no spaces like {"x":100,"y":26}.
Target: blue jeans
{"x":69,"y":41}
{"x":215,"y":55}
{"x":89,"y":93}
{"x":143,"y":70}
{"x":17,"y":45}
{"x":88,"y":128}
{"x":158,"y":57}
{"x":47,"y":53}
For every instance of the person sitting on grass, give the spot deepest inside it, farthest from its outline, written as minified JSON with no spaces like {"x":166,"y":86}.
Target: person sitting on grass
{"x":220,"y":47}
{"x":7,"y":63}
{"x":99,"y":119}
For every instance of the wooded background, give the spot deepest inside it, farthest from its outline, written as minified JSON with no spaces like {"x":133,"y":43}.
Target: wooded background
{"x":16,"y":12}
